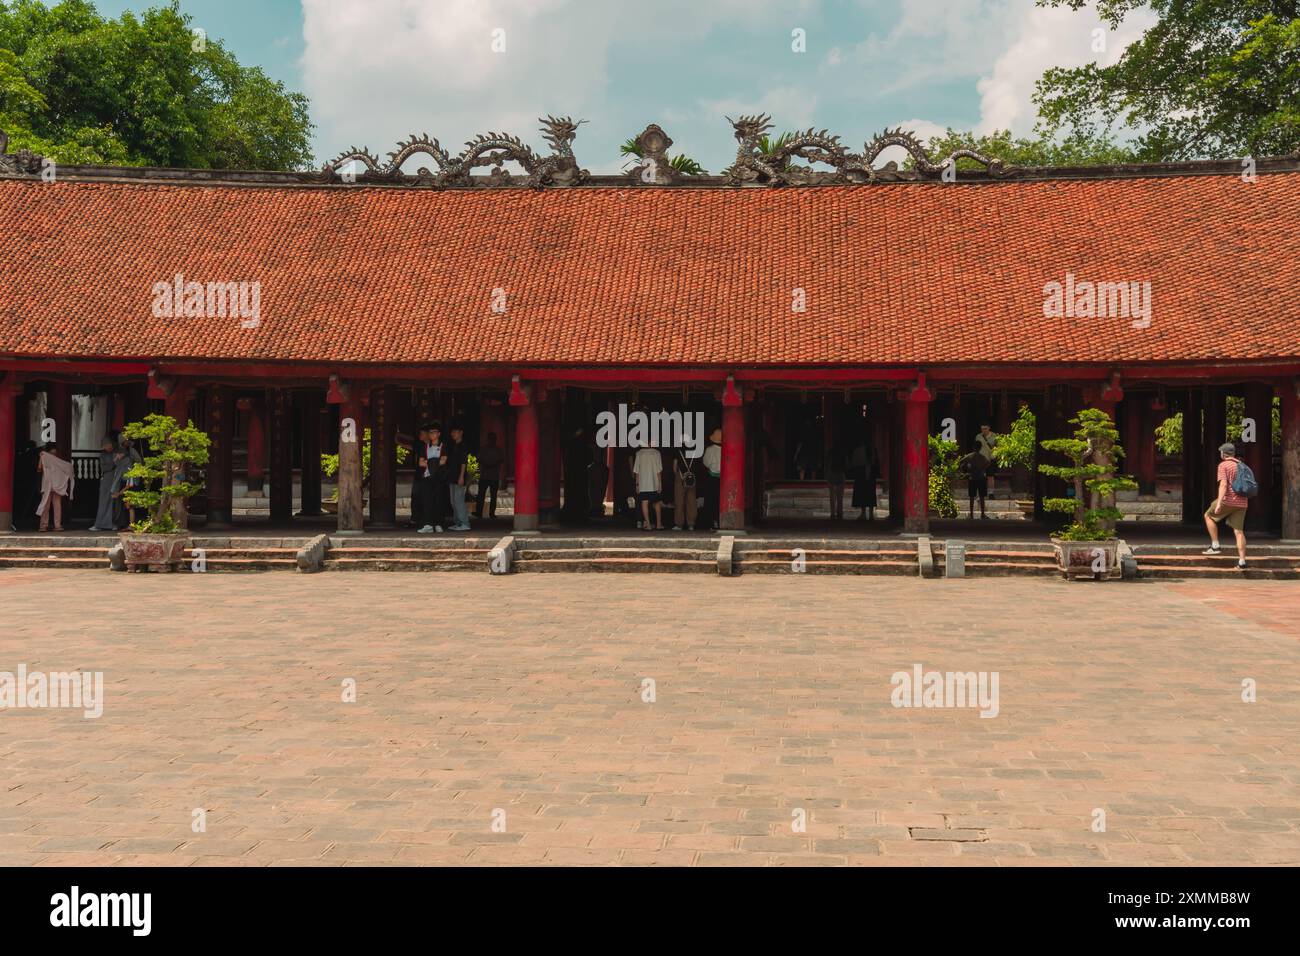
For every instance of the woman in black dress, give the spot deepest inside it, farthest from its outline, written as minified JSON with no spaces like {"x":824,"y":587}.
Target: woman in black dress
{"x":864,"y":468}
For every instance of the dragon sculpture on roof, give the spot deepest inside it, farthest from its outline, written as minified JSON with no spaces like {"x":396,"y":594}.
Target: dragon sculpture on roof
{"x":560,"y":168}
{"x":759,"y":160}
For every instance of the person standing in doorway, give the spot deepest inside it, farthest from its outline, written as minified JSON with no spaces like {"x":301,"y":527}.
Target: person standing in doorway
{"x":985,"y":442}
{"x":58,"y":481}
{"x":864,"y":467}
{"x":685,"y":497}
{"x":490,"y":461}
{"x":458,"y":478}
{"x":712,"y":479}
{"x":109,"y":457}
{"x":1229,"y":507}
{"x":835,"y":476}
{"x":648,"y":466}
{"x":975,"y":465}
{"x":419,"y":476}
{"x":435,"y":495}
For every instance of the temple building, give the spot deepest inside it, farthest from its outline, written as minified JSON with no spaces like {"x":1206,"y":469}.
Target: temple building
{"x":802,"y":299}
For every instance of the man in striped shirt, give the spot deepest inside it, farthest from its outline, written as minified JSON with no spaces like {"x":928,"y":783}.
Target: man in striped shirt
{"x":1229,"y":507}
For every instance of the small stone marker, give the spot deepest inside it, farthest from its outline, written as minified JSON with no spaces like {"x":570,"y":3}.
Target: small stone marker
{"x":954,"y":559}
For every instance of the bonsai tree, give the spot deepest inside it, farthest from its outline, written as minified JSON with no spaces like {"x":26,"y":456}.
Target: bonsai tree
{"x":175,"y":453}
{"x":1092,"y":453}
{"x":943,"y":469}
{"x":330,"y":463}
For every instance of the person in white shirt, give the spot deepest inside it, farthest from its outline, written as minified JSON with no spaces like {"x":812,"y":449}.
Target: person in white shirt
{"x":648,"y":466}
{"x":711,"y":480}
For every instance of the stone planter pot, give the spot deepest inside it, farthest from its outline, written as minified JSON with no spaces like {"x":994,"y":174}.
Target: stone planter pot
{"x":1078,"y":559}
{"x":154,"y":552}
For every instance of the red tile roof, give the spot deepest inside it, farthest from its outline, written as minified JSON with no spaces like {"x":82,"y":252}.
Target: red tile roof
{"x":902,"y":273}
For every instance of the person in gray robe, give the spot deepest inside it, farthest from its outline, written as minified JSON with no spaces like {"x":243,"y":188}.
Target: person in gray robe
{"x":109,"y":459}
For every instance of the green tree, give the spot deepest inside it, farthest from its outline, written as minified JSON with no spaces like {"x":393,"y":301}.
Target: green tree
{"x":77,"y":87}
{"x":943,"y":470}
{"x":1214,"y":78}
{"x":1075,"y":149}
{"x":1095,"y":432}
{"x":174,"y":453}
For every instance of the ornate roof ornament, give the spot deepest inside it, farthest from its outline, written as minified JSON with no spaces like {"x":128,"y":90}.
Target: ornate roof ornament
{"x":762,"y":160}
{"x":487,"y":149}
{"x":23,"y":161}
{"x":654,"y":168}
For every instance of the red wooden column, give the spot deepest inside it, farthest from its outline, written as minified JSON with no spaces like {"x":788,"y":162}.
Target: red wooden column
{"x":1290,"y":393}
{"x":8,"y":447}
{"x":548,"y":455}
{"x":916,"y":458}
{"x":351,"y":517}
{"x":176,"y":405}
{"x":221,"y":434}
{"x":1259,"y":455}
{"x":280,"y":413}
{"x":309,"y":409}
{"x":383,"y":460}
{"x":257,"y":454}
{"x":526,"y":520}
{"x":731,"y":494}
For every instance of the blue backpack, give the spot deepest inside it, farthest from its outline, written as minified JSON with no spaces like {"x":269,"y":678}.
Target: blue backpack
{"x":1243,"y":482}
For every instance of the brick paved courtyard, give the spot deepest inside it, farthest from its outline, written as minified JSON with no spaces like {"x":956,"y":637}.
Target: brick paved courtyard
{"x":772,"y":696}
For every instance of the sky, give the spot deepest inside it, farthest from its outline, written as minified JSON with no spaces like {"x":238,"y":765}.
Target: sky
{"x":378,"y":70}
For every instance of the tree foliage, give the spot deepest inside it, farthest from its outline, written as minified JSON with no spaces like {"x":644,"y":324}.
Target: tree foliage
{"x":1213,"y":78}
{"x":1095,"y":431}
{"x":174,"y":453}
{"x":1074,"y":149}
{"x":80,"y":88}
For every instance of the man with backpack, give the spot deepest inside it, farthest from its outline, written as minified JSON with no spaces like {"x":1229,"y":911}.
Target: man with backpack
{"x":1236,"y":486}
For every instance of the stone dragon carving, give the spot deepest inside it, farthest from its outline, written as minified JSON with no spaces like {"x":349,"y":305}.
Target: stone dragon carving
{"x":23,"y":161}
{"x":761,"y":161}
{"x":560,"y":168}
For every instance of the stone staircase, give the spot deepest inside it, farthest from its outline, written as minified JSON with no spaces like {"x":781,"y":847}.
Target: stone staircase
{"x":1264,"y":562}
{"x":1001,"y":558}
{"x":409,"y":554}
{"x":655,"y":553}
{"x":826,"y":556}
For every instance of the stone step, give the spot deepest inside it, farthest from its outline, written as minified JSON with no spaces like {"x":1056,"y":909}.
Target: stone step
{"x":618,"y":564}
{"x":855,"y":565}
{"x":678,"y":554}
{"x":829,"y":555}
{"x":477,"y":562}
{"x":1228,"y":562}
{"x":1199,"y":573}
{"x":52,"y":561}
{"x":33,"y":551}
{"x":243,"y":564}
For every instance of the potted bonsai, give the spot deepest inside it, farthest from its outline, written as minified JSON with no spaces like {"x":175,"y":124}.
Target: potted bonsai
{"x":160,"y":538}
{"x":1087,"y":546}
{"x":1017,"y":448}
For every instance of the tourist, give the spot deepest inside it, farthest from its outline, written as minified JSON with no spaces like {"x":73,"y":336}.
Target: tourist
{"x":975,"y":465}
{"x":835,"y":477}
{"x":712,"y":480}
{"x":436,"y":497}
{"x":685,"y":498}
{"x":1229,"y":507}
{"x":490,"y":460}
{"x":457,"y":459}
{"x":419,"y":477}
{"x":110,"y":470}
{"x":58,"y":481}
{"x":864,"y":466}
{"x":985,"y":442}
{"x":121,"y":508}
{"x":648,"y":467}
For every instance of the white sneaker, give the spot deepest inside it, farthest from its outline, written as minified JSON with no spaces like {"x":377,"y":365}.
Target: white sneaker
{"x":438,"y":528}
{"x":677,"y":527}
{"x":427,"y":529}
{"x":93,"y":528}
